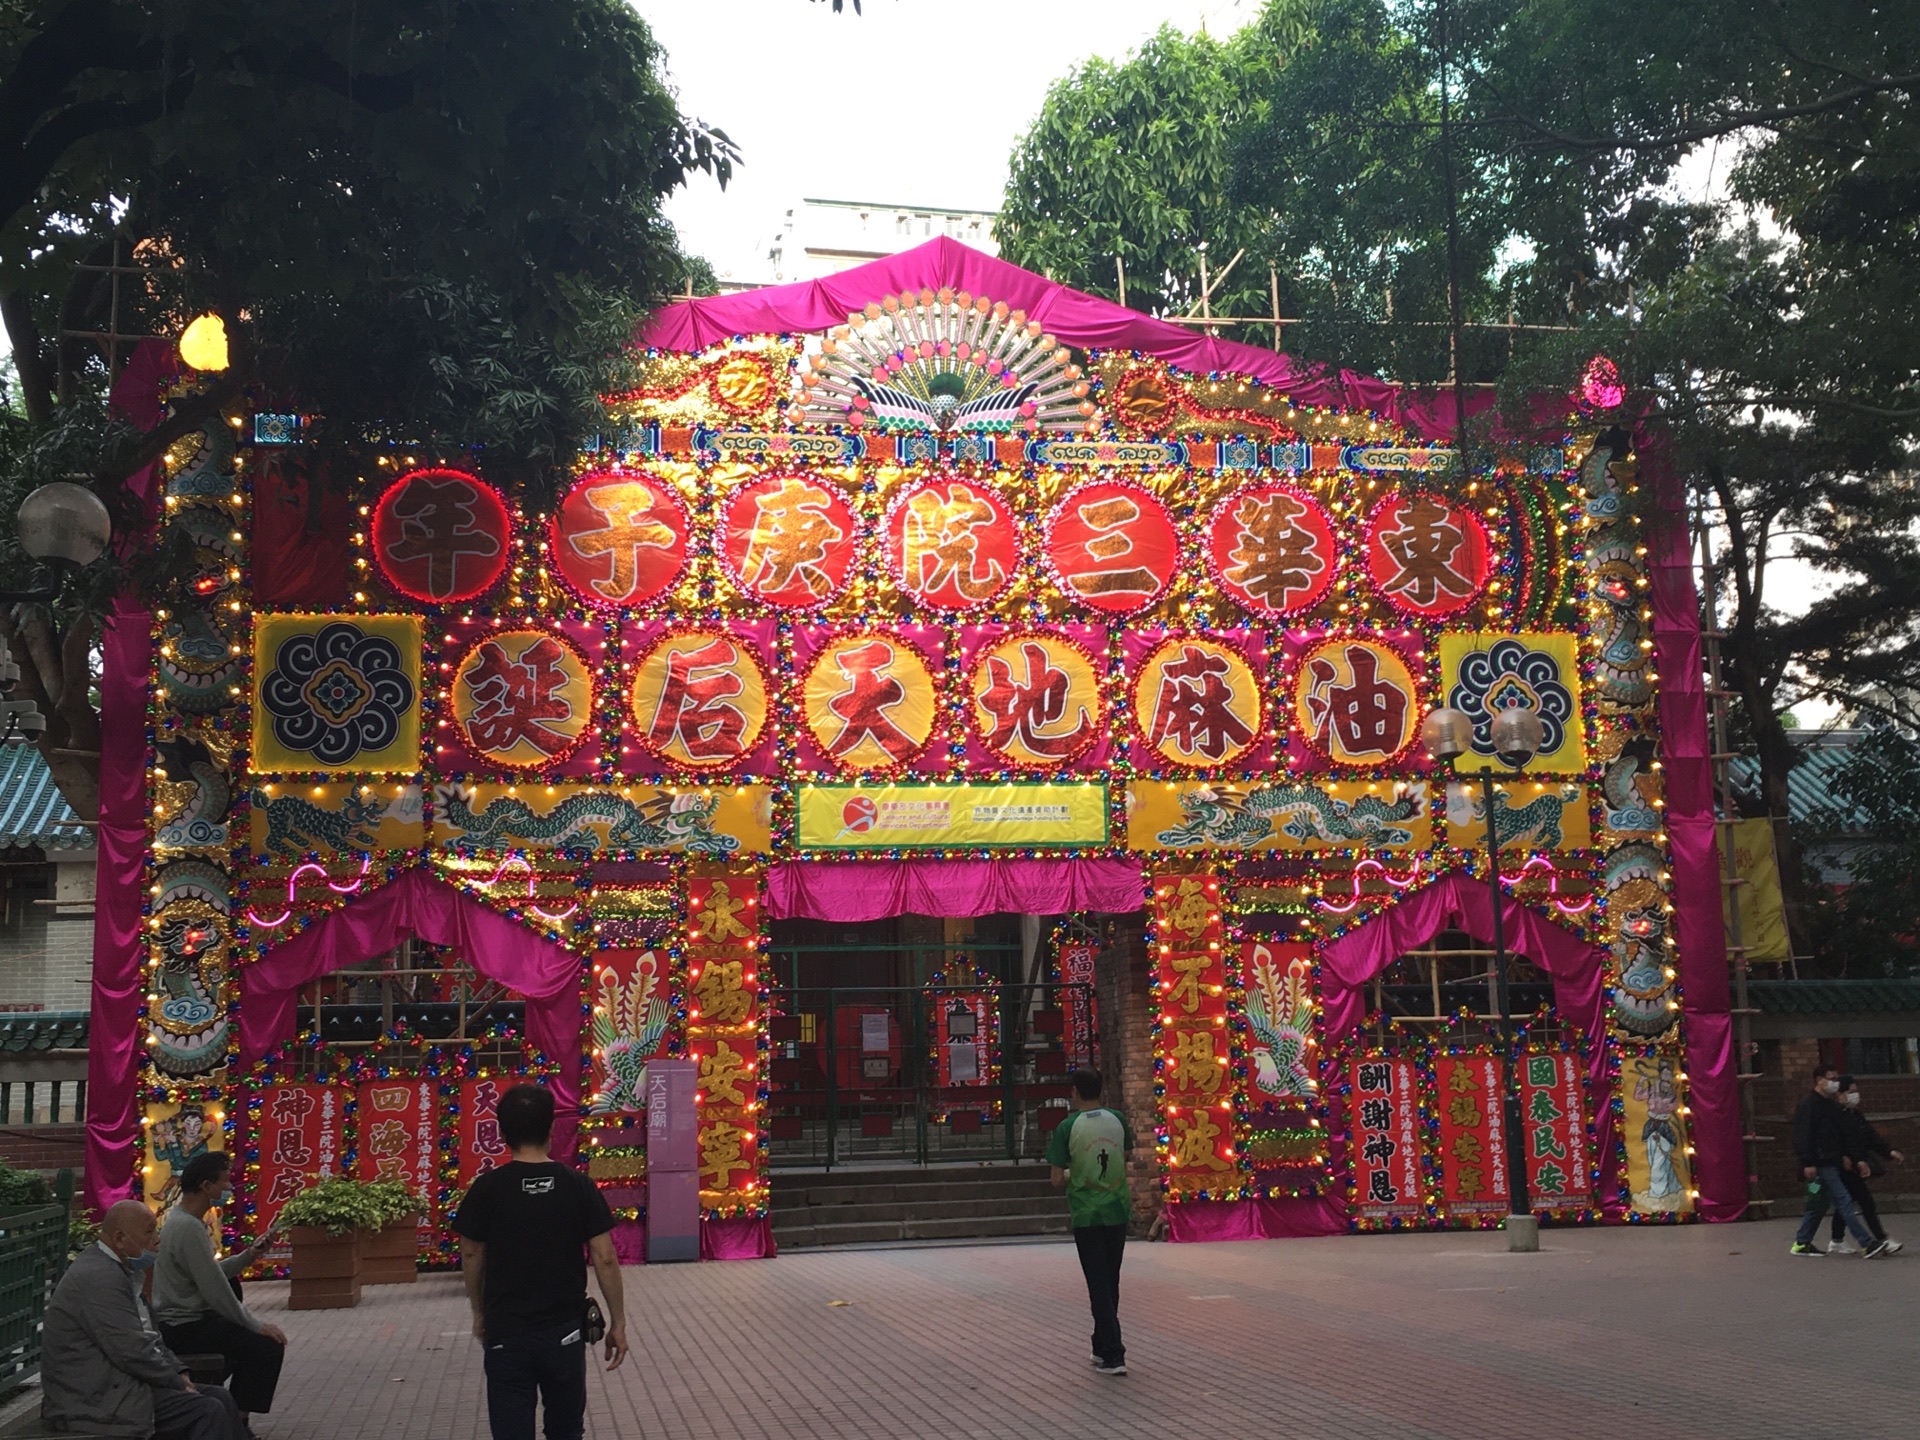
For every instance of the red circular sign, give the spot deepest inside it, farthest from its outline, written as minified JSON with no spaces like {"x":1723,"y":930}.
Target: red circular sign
{"x":1427,"y":556}
{"x":1111,"y":544}
{"x":951,"y":544}
{"x":440,"y":536}
{"x":619,"y":538}
{"x":789,"y":540}
{"x":1271,"y":547}
{"x":858,"y":814}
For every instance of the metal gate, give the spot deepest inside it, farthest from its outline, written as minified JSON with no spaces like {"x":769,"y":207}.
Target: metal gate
{"x":921,"y":1073}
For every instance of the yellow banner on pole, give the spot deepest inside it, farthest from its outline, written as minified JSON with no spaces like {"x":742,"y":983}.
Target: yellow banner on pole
{"x":956,"y":817}
{"x":1762,"y":915}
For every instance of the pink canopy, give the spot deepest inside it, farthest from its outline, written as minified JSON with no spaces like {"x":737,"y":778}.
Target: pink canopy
{"x":418,"y":904}
{"x":874,"y":889}
{"x":1075,"y":318}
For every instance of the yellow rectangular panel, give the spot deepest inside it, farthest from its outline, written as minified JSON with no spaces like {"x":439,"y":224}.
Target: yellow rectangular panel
{"x":291,"y":820}
{"x":1282,"y":815}
{"x":1480,"y":675}
{"x":584,"y":819}
{"x":959,"y":817}
{"x":1531,"y":814}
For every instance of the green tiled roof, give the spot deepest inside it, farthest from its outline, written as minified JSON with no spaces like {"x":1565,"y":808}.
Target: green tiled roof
{"x":43,"y":1030}
{"x":32,"y":809}
{"x":1835,"y":997}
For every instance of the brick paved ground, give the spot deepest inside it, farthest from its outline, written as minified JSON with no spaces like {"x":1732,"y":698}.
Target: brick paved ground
{"x":1697,"y":1331}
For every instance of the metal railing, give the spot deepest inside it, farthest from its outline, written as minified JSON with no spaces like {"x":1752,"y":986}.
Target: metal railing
{"x":33,"y":1256}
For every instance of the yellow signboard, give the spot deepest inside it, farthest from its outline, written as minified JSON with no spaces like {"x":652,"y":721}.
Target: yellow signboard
{"x":1481,"y":675}
{"x":1659,"y":1173}
{"x":712,"y":820}
{"x":957,"y":817}
{"x":1285,"y":815}
{"x":1763,"y":920}
{"x":336,"y":692}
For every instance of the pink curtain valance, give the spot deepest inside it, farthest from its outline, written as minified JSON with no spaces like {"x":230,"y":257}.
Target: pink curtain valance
{"x":417,"y":904}
{"x":875,"y":889}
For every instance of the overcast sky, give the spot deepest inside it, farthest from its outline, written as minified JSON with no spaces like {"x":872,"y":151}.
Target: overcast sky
{"x":911,"y":102}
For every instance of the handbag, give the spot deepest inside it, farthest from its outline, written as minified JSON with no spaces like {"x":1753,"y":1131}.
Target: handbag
{"x":596,"y":1325}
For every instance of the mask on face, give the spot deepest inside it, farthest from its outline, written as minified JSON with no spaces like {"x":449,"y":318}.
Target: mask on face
{"x":1852,"y":1097}
{"x":145,"y":1260}
{"x":225,"y":1198}
{"x":1830,"y":1087}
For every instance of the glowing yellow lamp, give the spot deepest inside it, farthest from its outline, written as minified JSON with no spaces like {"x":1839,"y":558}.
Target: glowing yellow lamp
{"x":203,"y":344}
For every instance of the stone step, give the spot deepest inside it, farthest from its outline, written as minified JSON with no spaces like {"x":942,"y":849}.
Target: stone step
{"x":949,"y":1209}
{"x":877,"y":1232}
{"x":788,"y":1197}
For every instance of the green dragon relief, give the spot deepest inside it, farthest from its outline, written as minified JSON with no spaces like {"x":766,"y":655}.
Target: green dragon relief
{"x":1227,"y":821}
{"x":664,"y":822}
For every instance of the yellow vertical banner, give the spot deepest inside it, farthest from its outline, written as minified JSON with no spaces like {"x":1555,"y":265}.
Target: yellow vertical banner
{"x":1757,"y":906}
{"x":1659,"y":1170}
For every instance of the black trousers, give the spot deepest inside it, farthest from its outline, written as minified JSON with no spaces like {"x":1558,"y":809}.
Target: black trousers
{"x":251,"y":1362}
{"x":540,"y":1364}
{"x":206,"y":1413}
{"x":1101,"y":1247}
{"x":1864,"y":1202}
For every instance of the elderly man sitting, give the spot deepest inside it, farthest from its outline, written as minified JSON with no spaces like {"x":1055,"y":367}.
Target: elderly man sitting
{"x":103,"y":1368}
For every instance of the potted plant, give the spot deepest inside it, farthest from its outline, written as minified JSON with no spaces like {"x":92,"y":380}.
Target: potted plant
{"x":324,"y":1224}
{"x":389,"y":1254}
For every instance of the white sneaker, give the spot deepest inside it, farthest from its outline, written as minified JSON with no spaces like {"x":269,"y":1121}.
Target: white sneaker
{"x":1894,"y":1247}
{"x":1840,"y":1247}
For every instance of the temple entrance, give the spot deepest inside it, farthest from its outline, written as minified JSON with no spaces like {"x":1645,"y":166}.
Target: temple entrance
{"x":914,"y":1040}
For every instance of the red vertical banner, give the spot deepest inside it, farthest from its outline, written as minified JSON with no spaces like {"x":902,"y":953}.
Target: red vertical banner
{"x":725,"y":1024}
{"x":1076,"y":959}
{"x":1473,"y":1152}
{"x":481,"y":1147}
{"x":1553,"y":1107}
{"x":399,"y":1138}
{"x":1193,"y":1046}
{"x":296,"y":1131}
{"x":967,"y":1027}
{"x":1384,"y":1138}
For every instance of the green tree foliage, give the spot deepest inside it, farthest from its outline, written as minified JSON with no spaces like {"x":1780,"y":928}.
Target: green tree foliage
{"x":429,"y":224}
{"x":1865,"y":924}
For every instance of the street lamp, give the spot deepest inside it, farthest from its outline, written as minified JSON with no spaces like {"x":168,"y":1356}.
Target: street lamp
{"x":1517,"y":735}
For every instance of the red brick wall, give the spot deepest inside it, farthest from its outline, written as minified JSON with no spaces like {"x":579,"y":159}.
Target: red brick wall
{"x":45,"y":1147}
{"x":1892,"y":1102}
{"x":1123,"y":980}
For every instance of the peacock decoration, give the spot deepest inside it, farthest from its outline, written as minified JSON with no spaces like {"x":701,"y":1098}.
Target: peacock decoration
{"x":943,"y":361}
{"x":1280,"y":1014}
{"x":628,"y":1023}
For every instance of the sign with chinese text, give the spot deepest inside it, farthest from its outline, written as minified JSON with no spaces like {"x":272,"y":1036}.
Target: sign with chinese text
{"x":1383,"y":1140}
{"x":297,"y":1129}
{"x":522,"y":698}
{"x":889,"y":817}
{"x":722,"y":952}
{"x":1271,"y":547}
{"x":1111,"y":545}
{"x":951,"y":544}
{"x":398,"y":1125}
{"x":1196,"y":702}
{"x":1473,"y":1154}
{"x":1356,"y":701}
{"x":1194,"y":1046}
{"x":619,"y":538}
{"x":1077,"y":960}
{"x":1427,"y":556}
{"x":441,"y":536}
{"x":870,"y":701}
{"x":1553,"y":1113}
{"x":481,"y":1147}
{"x":1036,"y":700}
{"x":789,"y":540}
{"x":699,"y":699}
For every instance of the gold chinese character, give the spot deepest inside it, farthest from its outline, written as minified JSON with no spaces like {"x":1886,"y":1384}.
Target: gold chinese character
{"x":722,"y":993}
{"x":1192,"y":1065}
{"x":1192,"y":1141}
{"x":716,"y":919}
{"x":1192,"y":912}
{"x":721,"y":1152}
{"x":721,"y":1074}
{"x":1185,"y":988}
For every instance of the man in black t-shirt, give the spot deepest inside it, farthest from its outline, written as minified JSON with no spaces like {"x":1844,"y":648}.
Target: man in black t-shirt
{"x":523,"y":1230}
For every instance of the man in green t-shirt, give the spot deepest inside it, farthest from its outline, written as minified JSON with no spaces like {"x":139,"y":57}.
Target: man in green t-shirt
{"x":1089,"y":1157}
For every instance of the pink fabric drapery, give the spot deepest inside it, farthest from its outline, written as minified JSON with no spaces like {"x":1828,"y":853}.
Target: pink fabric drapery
{"x":119,"y":988}
{"x":1461,"y":902}
{"x":1074,"y":318}
{"x":1706,"y":1008}
{"x":1279,"y":1218}
{"x":874,"y":889}
{"x":415,"y":903}
{"x":740,"y":1238}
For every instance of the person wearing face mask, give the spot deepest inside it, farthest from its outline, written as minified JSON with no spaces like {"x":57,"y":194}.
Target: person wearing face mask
{"x":1818,"y":1143}
{"x":194,"y":1296}
{"x":103,"y":1368}
{"x":1864,"y":1151}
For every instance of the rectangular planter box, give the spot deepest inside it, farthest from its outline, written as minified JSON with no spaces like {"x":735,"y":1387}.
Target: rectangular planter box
{"x":325,"y":1269}
{"x":387,"y":1255}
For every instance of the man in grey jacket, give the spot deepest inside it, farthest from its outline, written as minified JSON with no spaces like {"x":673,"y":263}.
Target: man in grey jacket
{"x":103,"y":1368}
